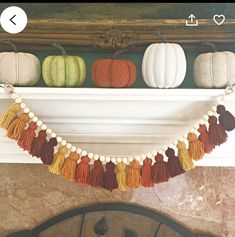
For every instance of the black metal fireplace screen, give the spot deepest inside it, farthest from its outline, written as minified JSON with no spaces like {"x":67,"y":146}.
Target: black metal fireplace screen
{"x":109,"y":220}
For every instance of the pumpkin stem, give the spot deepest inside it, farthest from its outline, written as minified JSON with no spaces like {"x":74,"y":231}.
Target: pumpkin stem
{"x":9,"y":43}
{"x":210,"y":44}
{"x":162,"y":38}
{"x":59,"y":46}
{"x":119,"y":52}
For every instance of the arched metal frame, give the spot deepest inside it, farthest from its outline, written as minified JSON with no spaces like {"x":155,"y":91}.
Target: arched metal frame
{"x":130,"y":208}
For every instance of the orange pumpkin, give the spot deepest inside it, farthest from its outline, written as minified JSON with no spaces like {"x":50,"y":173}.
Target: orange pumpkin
{"x":113,"y":73}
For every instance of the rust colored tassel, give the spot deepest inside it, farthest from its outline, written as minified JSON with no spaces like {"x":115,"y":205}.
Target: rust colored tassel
{"x":226,"y":119}
{"x":70,"y":165}
{"x":216,"y":132}
{"x":97,"y":175}
{"x":196,"y":147}
{"x":9,"y":115}
{"x":47,"y":151}
{"x":134,"y":178}
{"x":110,"y":181}
{"x":160,"y":172}
{"x":205,"y":139}
{"x":17,"y":126}
{"x":38,"y":143}
{"x":146,"y":177}
{"x":83,"y":171}
{"x":173,"y":163}
{"x":58,"y":161}
{"x":184,"y":156}
{"x":121,"y":177}
{"x":27,"y":137}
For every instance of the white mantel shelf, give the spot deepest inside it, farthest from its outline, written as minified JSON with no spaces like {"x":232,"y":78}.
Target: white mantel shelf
{"x":119,"y":121}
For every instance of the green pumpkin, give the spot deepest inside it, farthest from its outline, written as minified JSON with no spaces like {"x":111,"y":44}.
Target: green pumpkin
{"x":64,"y":71}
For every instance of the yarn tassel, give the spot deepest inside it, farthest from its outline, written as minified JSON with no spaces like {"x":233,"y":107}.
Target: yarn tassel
{"x":17,"y":126}
{"x":38,"y":143}
{"x":121,"y":177}
{"x":58,"y":161}
{"x":26,"y":139}
{"x":196,"y":147}
{"x":110,"y":181}
{"x":146,"y":177}
{"x":69,"y":167}
{"x":134,"y":178}
{"x":184,"y":156}
{"x":83,"y":171}
{"x":173,"y":163}
{"x":216,"y":133}
{"x":205,"y":139}
{"x":47,"y":151}
{"x":9,"y":115}
{"x":160,"y":172}
{"x":97,"y":175}
{"x":226,"y":119}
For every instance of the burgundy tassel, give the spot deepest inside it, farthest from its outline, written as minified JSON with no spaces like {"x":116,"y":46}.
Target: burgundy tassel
{"x":173,"y":163}
{"x":97,"y":175}
{"x":146,"y":173}
{"x":38,"y":143}
{"x":216,"y":132}
{"x":205,"y":138}
{"x":110,"y":181}
{"x":160,"y":172}
{"x":47,"y":151}
{"x":27,"y":137}
{"x":83,"y":171}
{"x":226,"y":119}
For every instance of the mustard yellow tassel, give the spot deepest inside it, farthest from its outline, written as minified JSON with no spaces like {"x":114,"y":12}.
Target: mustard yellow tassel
{"x":184,"y":156}
{"x":58,"y":161}
{"x":134,"y":177}
{"x":121,"y":176}
{"x":9,"y":115}
{"x":196,"y":147}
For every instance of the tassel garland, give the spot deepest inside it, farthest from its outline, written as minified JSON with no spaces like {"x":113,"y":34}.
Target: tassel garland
{"x":226,"y":119}
{"x":83,"y":171}
{"x":110,"y":181}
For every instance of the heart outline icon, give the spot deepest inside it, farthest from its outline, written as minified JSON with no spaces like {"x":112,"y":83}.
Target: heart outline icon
{"x":221,"y":19}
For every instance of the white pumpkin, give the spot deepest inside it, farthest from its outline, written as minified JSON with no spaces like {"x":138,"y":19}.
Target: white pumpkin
{"x":21,"y":69}
{"x":164,"y":65}
{"x":214,"y":70}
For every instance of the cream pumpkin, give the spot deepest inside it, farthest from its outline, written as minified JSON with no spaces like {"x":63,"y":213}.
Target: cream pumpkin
{"x":20,"y":69}
{"x":164,"y":65}
{"x":214,"y":70}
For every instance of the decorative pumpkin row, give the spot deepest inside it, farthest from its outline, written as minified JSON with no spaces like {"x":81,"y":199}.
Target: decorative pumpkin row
{"x":77,"y":166}
{"x":163,"y":66}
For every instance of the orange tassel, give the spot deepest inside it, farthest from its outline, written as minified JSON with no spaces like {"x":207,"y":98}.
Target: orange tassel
{"x":134,"y":178}
{"x":205,"y":139}
{"x":196,"y":147}
{"x":69,"y":167}
{"x":83,"y":171}
{"x":146,"y":173}
{"x":97,"y":175}
{"x":16,"y":128}
{"x":121,"y":177}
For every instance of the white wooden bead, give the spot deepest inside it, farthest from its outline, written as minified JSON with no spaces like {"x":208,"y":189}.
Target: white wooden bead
{"x":14,"y":96}
{"x":192,"y":130}
{"x":164,"y":148}
{"x":143,"y":156}
{"x":96,"y":156}
{"x":22,"y":105}
{"x":119,"y":159}
{"x":138,"y":158}
{"x":107,"y":159}
{"x":175,"y":142}
{"x":44,"y":127}
{"x":171,"y":146}
{"x":68,"y":145}
{"x":210,"y":113}
{"x":35,"y":119}
{"x":125,"y":160}
{"x":114,"y":160}
{"x":39,"y":123}
{"x":154,"y":153}
{"x":181,"y":139}
{"x":31,"y":114}
{"x":90,"y":155}
{"x":213,"y":108}
{"x":161,"y":151}
{"x":201,"y":121}
{"x":59,"y":139}
{"x":84,"y":153}
{"x":49,"y":131}
{"x":18,"y":100}
{"x":26,"y":110}
{"x":63,"y":142}
{"x":53,"y":134}
{"x":149,"y":155}
{"x":196,"y":126}
{"x":205,"y":117}
{"x":79,"y":150}
{"x":102,"y":158}
{"x":130,"y":159}
{"x":73,"y":148}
